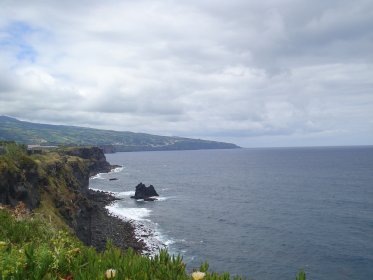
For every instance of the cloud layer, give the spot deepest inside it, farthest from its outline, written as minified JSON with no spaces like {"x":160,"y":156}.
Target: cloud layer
{"x":268,"y":73}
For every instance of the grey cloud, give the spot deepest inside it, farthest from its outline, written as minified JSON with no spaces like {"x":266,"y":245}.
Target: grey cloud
{"x":254,"y":72}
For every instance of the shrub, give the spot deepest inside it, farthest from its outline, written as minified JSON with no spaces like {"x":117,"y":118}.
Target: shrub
{"x":15,"y":151}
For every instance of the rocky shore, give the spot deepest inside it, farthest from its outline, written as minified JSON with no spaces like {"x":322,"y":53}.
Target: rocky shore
{"x":103,"y":226}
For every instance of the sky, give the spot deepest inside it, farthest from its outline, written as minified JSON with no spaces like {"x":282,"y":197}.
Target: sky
{"x":272,"y":73}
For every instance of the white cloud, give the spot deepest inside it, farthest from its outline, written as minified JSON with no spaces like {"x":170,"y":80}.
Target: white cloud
{"x":256,"y":73}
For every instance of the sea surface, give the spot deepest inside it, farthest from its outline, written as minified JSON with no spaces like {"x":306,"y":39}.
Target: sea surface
{"x":261,"y":213}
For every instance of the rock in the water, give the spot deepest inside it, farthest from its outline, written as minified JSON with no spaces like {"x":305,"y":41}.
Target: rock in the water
{"x":113,"y":179}
{"x":144,"y":192}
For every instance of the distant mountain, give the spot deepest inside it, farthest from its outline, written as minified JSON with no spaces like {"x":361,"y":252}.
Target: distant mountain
{"x":110,"y":140}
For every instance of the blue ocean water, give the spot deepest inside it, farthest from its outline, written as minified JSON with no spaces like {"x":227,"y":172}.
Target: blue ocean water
{"x":262,"y":213}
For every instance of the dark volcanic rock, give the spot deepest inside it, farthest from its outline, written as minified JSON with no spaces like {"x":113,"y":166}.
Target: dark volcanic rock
{"x":144,"y":192}
{"x":21,"y":184}
{"x":99,"y":226}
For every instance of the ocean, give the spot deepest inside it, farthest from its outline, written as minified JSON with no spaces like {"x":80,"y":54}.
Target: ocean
{"x":262,"y":213}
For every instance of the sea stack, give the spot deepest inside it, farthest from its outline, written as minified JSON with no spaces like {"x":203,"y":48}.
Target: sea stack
{"x":145,"y":193}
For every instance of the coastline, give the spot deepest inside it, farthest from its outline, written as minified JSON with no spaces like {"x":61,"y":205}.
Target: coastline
{"x":108,"y":221}
{"x":144,"y":230}
{"x":104,"y":226}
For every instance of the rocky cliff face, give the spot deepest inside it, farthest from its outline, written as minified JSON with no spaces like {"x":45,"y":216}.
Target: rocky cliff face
{"x":20,"y":181}
{"x":94,"y":156}
{"x":55,"y":184}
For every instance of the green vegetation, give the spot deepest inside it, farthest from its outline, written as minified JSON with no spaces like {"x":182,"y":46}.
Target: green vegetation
{"x":12,"y":150}
{"x":43,"y":134}
{"x":13,"y":159}
{"x":301,"y":275}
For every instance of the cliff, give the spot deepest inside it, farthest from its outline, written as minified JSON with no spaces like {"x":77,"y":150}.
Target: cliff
{"x":94,"y":156}
{"x":20,"y":180}
{"x":24,"y":178}
{"x":55,"y":185}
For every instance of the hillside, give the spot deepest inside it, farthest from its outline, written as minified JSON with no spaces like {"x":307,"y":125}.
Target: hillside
{"x":12,"y":129}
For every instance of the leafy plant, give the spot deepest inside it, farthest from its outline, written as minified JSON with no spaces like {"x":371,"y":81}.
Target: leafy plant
{"x":301,"y":275}
{"x":15,"y":151}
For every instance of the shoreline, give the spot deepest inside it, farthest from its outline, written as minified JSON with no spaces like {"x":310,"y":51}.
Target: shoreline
{"x":104,"y":226}
{"x":144,"y":230}
{"x":105,"y":223}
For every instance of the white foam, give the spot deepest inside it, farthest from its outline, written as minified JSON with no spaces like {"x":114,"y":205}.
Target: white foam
{"x":117,"y":169}
{"x":149,"y":234}
{"x":157,"y":198}
{"x":94,"y":189}
{"x":145,"y":229}
{"x":169,"y":242}
{"x":162,"y":198}
{"x":136,"y":214}
{"x":98,"y":176}
{"x":124,"y":194}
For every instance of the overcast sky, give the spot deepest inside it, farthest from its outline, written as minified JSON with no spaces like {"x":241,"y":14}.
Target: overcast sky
{"x":256,"y":73}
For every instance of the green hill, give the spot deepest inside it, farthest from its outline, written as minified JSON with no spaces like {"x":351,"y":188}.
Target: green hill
{"x":113,"y":141}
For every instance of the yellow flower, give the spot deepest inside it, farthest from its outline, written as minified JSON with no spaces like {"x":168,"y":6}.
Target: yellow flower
{"x":198,"y":275}
{"x":110,"y":273}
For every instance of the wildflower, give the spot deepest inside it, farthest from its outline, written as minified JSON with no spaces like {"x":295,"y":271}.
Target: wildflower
{"x":198,"y":275}
{"x":110,"y":273}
